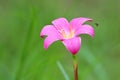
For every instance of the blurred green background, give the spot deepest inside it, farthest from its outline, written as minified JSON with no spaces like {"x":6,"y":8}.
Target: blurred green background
{"x":22,"y":56}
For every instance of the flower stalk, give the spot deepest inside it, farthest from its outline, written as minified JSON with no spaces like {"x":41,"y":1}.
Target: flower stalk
{"x":75,"y":66}
{"x":68,"y":33}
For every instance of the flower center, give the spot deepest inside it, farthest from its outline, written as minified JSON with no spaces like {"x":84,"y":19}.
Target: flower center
{"x":68,"y":35}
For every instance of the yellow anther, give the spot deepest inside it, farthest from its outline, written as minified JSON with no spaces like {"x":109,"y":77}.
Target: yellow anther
{"x":68,"y":35}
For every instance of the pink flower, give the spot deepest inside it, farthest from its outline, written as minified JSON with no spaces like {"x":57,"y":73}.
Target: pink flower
{"x":67,"y":32}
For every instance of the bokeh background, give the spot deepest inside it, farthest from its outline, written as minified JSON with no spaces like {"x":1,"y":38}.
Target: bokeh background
{"x":22,"y":56}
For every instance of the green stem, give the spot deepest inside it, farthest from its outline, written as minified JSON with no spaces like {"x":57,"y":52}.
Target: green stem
{"x":75,"y":66}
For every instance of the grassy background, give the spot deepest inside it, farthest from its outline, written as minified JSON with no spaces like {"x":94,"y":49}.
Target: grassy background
{"x":22,"y":56}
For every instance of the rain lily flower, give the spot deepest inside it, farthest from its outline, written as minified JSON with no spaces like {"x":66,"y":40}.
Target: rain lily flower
{"x":67,"y":32}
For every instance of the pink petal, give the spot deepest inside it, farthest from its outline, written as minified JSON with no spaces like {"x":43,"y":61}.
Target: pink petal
{"x":49,"y":40}
{"x":77,"y":22}
{"x":73,"y":44}
{"x":85,"y":29}
{"x":52,"y":35}
{"x":61,"y":23}
{"x":49,"y":30}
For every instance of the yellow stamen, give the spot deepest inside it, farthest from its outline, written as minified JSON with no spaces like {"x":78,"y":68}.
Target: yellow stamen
{"x":68,"y":36}
{"x":63,"y":34}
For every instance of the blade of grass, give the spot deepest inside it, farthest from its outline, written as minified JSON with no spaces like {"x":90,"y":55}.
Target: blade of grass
{"x":26,"y":45}
{"x":63,"y":70}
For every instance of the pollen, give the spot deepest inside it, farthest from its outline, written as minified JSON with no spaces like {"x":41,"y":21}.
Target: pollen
{"x":68,"y":35}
